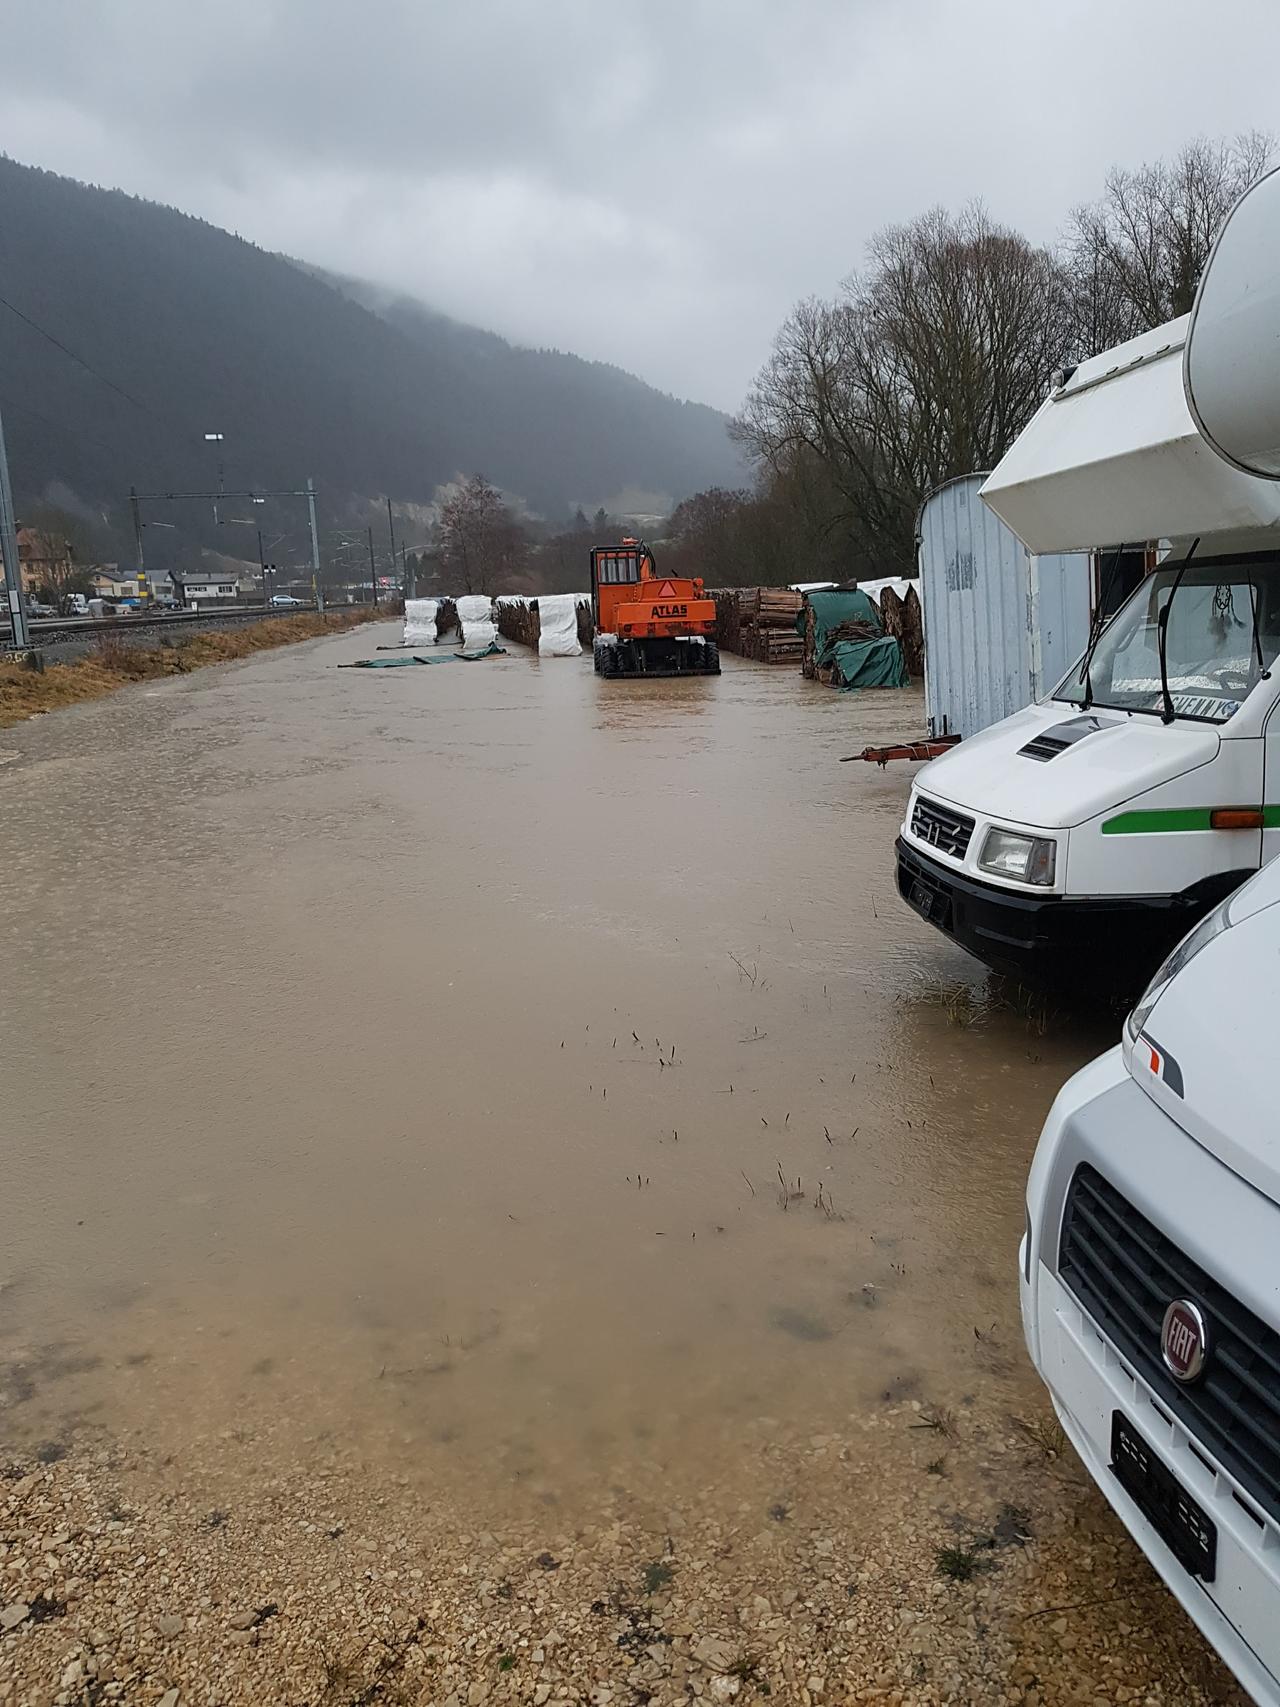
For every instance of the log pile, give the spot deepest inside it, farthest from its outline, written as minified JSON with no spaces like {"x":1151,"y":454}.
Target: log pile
{"x":767,"y":626}
{"x":727,"y":603}
{"x":586,"y":623}
{"x":518,"y":620}
{"x":759,"y":623}
{"x":904,"y":619}
{"x":446,"y":618}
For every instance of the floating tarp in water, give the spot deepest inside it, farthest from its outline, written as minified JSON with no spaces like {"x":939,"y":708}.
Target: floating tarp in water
{"x":490,"y":651}
{"x":849,"y":640}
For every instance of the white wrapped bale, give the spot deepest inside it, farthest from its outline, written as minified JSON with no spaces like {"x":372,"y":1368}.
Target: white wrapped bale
{"x":558,"y":625}
{"x":475,"y":618}
{"x":420,"y":622}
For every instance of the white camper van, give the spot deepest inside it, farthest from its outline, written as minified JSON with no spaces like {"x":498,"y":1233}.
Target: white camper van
{"x":1149,"y":1281}
{"x":1082,"y":836}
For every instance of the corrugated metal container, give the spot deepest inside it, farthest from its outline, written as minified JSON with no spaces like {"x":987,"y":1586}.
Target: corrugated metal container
{"x":1000,"y":626}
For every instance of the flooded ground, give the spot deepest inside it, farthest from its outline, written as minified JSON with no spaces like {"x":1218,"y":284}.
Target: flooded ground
{"x":527,"y":1089}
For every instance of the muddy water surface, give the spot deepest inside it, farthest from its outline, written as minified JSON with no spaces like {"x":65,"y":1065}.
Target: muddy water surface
{"x":501,"y":1067}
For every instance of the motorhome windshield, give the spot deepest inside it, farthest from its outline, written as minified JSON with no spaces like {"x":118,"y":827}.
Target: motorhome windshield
{"x":1212,"y":648}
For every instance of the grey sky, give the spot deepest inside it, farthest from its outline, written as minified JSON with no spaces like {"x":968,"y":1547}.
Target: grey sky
{"x":652,"y":182}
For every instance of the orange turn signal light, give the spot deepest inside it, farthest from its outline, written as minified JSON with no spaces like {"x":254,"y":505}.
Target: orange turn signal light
{"x":1235,"y":818}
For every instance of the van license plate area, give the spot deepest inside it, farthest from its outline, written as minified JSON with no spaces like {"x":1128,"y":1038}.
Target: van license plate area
{"x":930,"y":903}
{"x":1179,"y":1521}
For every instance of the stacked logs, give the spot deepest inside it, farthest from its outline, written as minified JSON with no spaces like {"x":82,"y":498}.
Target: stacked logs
{"x":518,"y":621}
{"x":768,"y":626}
{"x":727,"y":603}
{"x":759,"y":623}
{"x":586,"y":623}
{"x":904,"y":619}
{"x":446,"y":618}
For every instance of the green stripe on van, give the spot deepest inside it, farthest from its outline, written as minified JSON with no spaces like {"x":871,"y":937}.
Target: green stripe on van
{"x":1174,"y":819}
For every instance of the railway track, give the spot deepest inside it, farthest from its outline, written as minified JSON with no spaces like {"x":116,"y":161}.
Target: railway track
{"x":51,"y":631}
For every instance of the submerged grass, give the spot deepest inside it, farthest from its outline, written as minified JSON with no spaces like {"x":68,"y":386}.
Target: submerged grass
{"x":113,"y":662}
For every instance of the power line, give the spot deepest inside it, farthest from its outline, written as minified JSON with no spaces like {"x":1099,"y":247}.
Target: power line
{"x":81,"y":362}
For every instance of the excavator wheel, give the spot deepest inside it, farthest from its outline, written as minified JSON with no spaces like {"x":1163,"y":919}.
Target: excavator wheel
{"x":604,"y":654}
{"x":710,"y":659}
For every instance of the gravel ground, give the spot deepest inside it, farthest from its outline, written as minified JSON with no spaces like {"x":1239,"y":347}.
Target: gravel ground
{"x":912,"y":1559}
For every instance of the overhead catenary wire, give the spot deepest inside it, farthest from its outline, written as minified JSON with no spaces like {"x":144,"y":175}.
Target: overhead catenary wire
{"x":81,"y":362}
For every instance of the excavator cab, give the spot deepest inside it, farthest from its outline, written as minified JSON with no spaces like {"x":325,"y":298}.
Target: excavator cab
{"x":648,"y":624}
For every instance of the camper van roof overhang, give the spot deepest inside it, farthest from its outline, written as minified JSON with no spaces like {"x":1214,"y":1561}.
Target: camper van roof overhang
{"x":1113,"y":456}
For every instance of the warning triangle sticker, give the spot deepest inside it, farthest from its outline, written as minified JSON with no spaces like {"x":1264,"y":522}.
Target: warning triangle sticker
{"x":666,"y":591}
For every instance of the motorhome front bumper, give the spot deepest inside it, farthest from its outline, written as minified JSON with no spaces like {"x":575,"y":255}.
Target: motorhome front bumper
{"x":1107,"y":942}
{"x":1125,"y":1215}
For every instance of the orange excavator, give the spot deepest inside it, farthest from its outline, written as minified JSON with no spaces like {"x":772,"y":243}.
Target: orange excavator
{"x":647,"y":624}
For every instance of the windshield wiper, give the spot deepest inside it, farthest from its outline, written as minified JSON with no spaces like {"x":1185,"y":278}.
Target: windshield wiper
{"x":1168,"y":714}
{"x":1099,"y":623}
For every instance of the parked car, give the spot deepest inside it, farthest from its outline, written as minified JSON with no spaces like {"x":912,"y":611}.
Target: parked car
{"x":286,"y":601}
{"x":38,"y":609}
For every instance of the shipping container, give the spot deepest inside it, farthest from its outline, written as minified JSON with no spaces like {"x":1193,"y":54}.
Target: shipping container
{"x":1001,"y":626}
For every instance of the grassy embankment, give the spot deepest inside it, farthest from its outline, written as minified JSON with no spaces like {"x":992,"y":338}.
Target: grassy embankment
{"x":112,"y":662}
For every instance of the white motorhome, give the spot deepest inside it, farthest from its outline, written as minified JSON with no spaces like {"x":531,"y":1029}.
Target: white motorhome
{"x":1081,"y":837}
{"x":1149,"y":1282}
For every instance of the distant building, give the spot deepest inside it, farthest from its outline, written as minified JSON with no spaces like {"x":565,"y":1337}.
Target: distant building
{"x":110,"y":581}
{"x":44,"y":561}
{"x":199,"y":587}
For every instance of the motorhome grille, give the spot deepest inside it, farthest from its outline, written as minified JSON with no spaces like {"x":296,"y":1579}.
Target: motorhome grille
{"x":942,"y":828}
{"x":1126,"y":1272}
{"x":1045,"y":747}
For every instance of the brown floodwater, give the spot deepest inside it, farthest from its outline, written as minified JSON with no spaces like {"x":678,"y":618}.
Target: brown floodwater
{"x":492,"y":1063}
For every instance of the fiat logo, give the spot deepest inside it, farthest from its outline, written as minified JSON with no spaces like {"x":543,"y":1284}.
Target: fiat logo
{"x":1184,"y":1340}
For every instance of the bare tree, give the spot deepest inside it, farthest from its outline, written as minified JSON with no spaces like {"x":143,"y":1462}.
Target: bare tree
{"x":927,"y":367}
{"x":482,"y":545}
{"x":1135,"y":257}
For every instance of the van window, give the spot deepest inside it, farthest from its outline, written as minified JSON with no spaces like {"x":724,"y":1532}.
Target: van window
{"x":1211,"y":653}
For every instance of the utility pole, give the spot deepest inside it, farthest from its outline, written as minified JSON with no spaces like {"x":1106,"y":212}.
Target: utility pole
{"x":392,"y":528}
{"x":262,"y":568}
{"x":21,"y":634}
{"x":373,"y":569}
{"x":315,"y":546}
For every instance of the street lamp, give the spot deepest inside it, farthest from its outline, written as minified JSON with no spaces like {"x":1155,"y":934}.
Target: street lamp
{"x":217,"y":439}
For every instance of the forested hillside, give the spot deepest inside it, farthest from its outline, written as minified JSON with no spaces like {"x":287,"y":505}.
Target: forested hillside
{"x":186,"y":329}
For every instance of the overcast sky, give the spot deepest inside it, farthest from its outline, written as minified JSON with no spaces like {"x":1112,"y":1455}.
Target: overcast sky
{"x":650,"y":182}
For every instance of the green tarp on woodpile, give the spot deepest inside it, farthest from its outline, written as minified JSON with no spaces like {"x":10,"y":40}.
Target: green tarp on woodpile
{"x":850,"y":641}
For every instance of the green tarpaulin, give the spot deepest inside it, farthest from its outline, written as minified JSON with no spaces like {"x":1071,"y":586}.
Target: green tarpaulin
{"x":850,"y":641}
{"x":867,"y":663}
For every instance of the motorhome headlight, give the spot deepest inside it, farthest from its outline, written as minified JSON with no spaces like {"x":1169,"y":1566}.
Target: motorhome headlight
{"x":1213,"y":924}
{"x":1025,"y":859}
